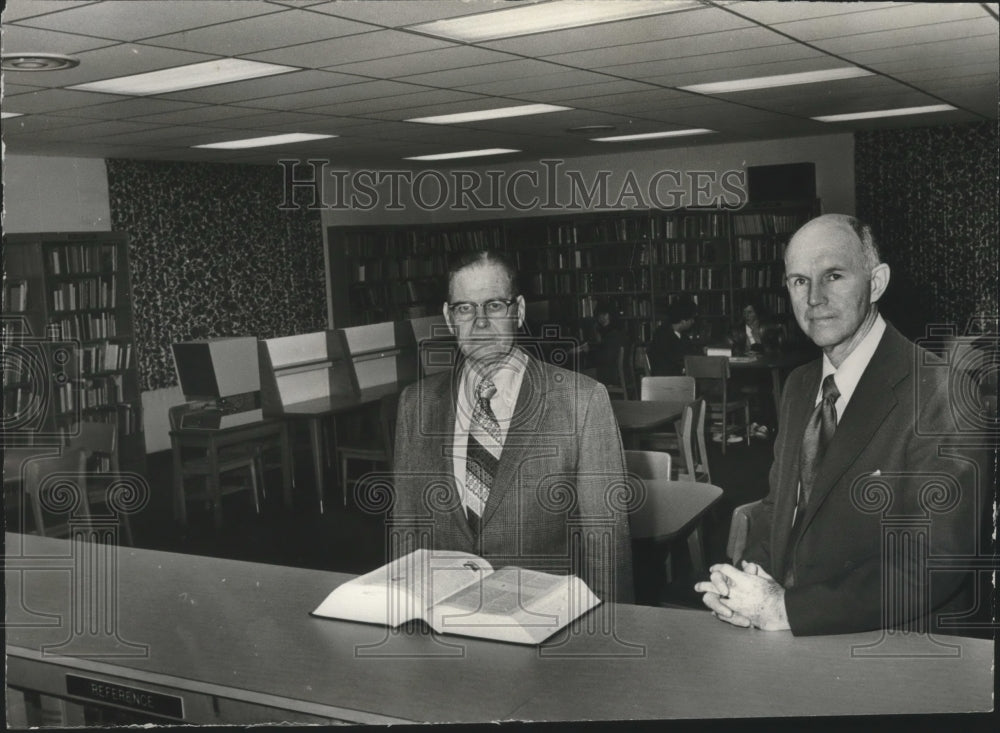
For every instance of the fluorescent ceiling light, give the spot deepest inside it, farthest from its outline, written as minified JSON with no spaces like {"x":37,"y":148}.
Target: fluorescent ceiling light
{"x":885,"y":113}
{"x":262,"y":142}
{"x":490,"y":114}
{"x":550,"y":16}
{"x":192,"y":76}
{"x":6,"y":115}
{"x":651,"y":135}
{"x":464,"y":154}
{"x":779,"y":80}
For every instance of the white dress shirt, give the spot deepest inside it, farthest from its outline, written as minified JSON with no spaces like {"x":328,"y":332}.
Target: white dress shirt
{"x":849,"y":373}
{"x":507,"y":379}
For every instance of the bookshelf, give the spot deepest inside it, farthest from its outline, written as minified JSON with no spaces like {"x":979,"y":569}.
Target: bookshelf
{"x":638,"y":261}
{"x":72,"y":296}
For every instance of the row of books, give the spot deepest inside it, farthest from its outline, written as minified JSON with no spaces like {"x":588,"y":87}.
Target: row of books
{"x":552,"y":283}
{"x":680,"y":253}
{"x":776,"y":303}
{"x":621,"y":281}
{"x":760,"y":249}
{"x":367,"y":244}
{"x":98,"y":292}
{"x":76,"y":258}
{"x":693,"y":278}
{"x":15,"y":296}
{"x":623,"y":229}
{"x":105,"y":357}
{"x":681,"y":226}
{"x":390,"y":269}
{"x":123,"y":413}
{"x":88,"y":394}
{"x":766,"y":223}
{"x":628,"y":307}
{"x":86,"y":327}
{"x":759,"y":276}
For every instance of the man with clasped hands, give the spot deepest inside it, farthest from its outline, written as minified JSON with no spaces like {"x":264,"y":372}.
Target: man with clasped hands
{"x":815,"y":561}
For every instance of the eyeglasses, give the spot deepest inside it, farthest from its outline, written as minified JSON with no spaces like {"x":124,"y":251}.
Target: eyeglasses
{"x":496,"y":308}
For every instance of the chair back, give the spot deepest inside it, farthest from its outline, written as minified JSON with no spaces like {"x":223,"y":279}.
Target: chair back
{"x":691,"y":438}
{"x":669,"y":389}
{"x":175,"y":414}
{"x":99,"y":441}
{"x":641,"y":365}
{"x":707,"y":367}
{"x":738,"y":531}
{"x":72,"y":464}
{"x":648,"y":464}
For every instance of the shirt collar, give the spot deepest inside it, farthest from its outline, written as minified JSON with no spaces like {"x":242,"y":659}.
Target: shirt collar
{"x":854,"y":365}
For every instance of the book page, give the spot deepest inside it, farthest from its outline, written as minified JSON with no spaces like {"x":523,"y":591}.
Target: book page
{"x":514,"y":604}
{"x":405,"y":588}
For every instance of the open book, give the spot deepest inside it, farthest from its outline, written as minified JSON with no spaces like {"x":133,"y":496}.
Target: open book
{"x":460,"y":593}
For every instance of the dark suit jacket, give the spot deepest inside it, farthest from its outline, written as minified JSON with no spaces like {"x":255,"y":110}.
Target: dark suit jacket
{"x":667,"y":350}
{"x":557,"y":482}
{"x":836,"y":551}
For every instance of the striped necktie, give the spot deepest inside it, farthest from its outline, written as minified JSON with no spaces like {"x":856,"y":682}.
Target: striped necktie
{"x":818,"y":433}
{"x":482,"y":454}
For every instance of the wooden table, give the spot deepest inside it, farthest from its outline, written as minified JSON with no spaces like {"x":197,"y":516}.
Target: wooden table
{"x":212,"y":439}
{"x":315,"y":411}
{"x":672,"y":510}
{"x":638,"y":416}
{"x":235,"y":641}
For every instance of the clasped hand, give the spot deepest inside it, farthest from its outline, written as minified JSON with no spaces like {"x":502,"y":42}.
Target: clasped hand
{"x":747,"y":597}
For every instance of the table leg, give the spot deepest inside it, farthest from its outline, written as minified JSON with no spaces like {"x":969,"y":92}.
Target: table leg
{"x":180,"y":507}
{"x":315,"y":440}
{"x":214,"y":484}
{"x":287,"y":472}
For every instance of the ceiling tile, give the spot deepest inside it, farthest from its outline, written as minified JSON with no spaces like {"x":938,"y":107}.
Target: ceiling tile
{"x":89,"y":130}
{"x":50,"y":100}
{"x":902,"y":17}
{"x":396,"y":14}
{"x":400,"y":101}
{"x":270,"y":86}
{"x":727,"y":64}
{"x":20,"y":9}
{"x":677,"y":48}
{"x":540,"y":82}
{"x":958,"y":30}
{"x":194,"y":115}
{"x":985,"y":47}
{"x":126,"y":108}
{"x":133,"y":20}
{"x":776,"y":12}
{"x":454,"y":57}
{"x":32,"y":123}
{"x":362,"y":47}
{"x":22,"y":39}
{"x":288,"y":28}
{"x":334,"y":95}
{"x":468,"y":76}
{"x":289,"y":122}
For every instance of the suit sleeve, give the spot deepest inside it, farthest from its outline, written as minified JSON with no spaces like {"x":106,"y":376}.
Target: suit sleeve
{"x":407,"y":500}
{"x":600,"y":463}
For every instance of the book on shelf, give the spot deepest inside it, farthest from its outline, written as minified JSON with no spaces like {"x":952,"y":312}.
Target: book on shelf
{"x":460,"y":593}
{"x":15,"y":296}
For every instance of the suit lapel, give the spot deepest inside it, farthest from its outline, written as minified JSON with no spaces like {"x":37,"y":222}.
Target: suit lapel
{"x":872,"y":401}
{"x":523,"y":422}
{"x":788,"y":492}
{"x":441,"y":413}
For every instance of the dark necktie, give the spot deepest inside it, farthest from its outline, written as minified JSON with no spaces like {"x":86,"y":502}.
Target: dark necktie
{"x":482,"y":454}
{"x":818,"y":433}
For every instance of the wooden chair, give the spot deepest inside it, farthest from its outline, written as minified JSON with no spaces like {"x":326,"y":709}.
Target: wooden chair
{"x":99,"y":442}
{"x":669,"y":389}
{"x":648,"y":464}
{"x":73,"y":464}
{"x":691,"y":443}
{"x":194,"y":463}
{"x":739,"y":528}
{"x":374,"y":450}
{"x":713,"y":372}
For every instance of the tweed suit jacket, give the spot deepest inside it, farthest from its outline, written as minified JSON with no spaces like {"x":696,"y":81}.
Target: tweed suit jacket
{"x":877,"y":467}
{"x":557,"y":488}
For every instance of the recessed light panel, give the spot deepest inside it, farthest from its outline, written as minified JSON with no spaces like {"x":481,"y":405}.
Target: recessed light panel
{"x":464,"y":154}
{"x":490,"y":114}
{"x":899,"y":112}
{"x":778,"y":80}
{"x":192,"y":76}
{"x":263,"y":142}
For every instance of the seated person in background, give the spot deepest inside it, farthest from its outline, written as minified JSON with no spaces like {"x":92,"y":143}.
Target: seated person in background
{"x":816,"y":561}
{"x":501,"y":455}
{"x":604,"y":342}
{"x":747,"y":336}
{"x":672,"y":341}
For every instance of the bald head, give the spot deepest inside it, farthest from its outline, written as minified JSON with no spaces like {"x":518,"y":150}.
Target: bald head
{"x":843,"y":226}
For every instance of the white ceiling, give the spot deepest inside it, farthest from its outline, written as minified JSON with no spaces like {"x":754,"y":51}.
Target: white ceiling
{"x":363,"y":69}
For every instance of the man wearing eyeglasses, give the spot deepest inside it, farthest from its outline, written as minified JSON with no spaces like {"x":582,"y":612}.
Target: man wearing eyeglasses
{"x":506,"y":456}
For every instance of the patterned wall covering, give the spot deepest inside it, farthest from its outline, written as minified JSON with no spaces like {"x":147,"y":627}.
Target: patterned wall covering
{"x":212,"y":255}
{"x":931,"y":195}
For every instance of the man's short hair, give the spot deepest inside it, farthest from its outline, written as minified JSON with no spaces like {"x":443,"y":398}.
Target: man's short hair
{"x":869,"y":248}
{"x":480,"y":259}
{"x":680,"y":310}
